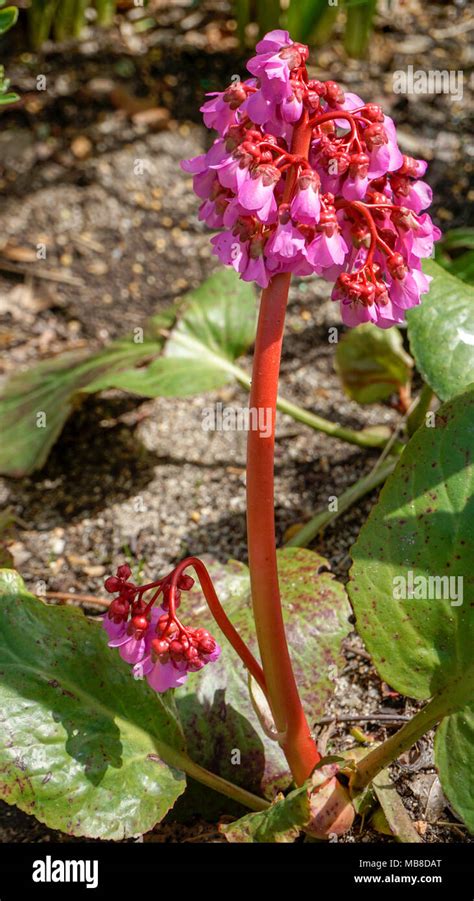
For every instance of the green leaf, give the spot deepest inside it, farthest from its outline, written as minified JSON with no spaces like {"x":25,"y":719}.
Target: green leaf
{"x":372,"y":363}
{"x":454,"y":756}
{"x":8,"y":98}
{"x":412,"y":585}
{"x":441,"y":333}
{"x":457,"y":239}
{"x":83,"y":745}
{"x":214,"y":706}
{"x":268,"y":15}
{"x":303,"y":16}
{"x":320,"y":807}
{"x":35,"y":404}
{"x":400,"y":824}
{"x":8,"y":17}
{"x":360,"y":14}
{"x":463,"y":267}
{"x":412,"y":580}
{"x":218,"y":325}
{"x":282,"y":822}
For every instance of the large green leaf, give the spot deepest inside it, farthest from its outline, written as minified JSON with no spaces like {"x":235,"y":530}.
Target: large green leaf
{"x":422,"y":526}
{"x":83,"y":745}
{"x":214,"y":706}
{"x":455,"y":252}
{"x":35,"y":404}
{"x":454,"y":755}
{"x":441,"y":333}
{"x":463,"y":267}
{"x":218,"y":325}
{"x":412,"y":585}
{"x":372,"y":363}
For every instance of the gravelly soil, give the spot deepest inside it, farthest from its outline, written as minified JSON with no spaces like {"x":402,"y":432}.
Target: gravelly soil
{"x":144,"y":479}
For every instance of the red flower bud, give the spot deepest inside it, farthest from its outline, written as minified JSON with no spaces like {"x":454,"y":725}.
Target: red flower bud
{"x":313,"y":101}
{"x":207,"y":645}
{"x":396,"y":266}
{"x":408,"y":167}
{"x":375,"y":136}
{"x":124,"y":572}
{"x":373,"y":112}
{"x":327,"y":128}
{"x":197,"y":664}
{"x":166,"y":596}
{"x":185,"y":582}
{"x":176,"y":650}
{"x":251,"y":149}
{"x":201,"y":634}
{"x":137,"y":626}
{"x":404,"y":218}
{"x":235,"y":95}
{"x":139,"y":607}
{"x":334,"y":93}
{"x":359,"y":164}
{"x":295,"y":55}
{"x":112,"y":584}
{"x":119,"y":610}
{"x":400,"y":184}
{"x":160,"y":646}
{"x":317,"y":86}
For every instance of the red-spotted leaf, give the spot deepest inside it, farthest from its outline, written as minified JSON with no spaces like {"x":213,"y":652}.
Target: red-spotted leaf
{"x":412,"y":584}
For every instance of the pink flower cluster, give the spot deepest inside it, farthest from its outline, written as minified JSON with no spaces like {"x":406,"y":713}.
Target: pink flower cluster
{"x":303,"y":178}
{"x":151,"y":638}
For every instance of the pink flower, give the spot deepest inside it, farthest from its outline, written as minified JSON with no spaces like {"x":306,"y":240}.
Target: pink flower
{"x":151,"y":638}
{"x":272,"y":66}
{"x":114,"y":630}
{"x":381,"y":140}
{"x":306,"y":204}
{"x":221,"y":112}
{"x":256,"y":269}
{"x":415,"y":195}
{"x":326,"y":250}
{"x":286,"y":242}
{"x":257,"y":191}
{"x":420,"y":240}
{"x":405,"y":292}
{"x":164,"y":676}
{"x":273,"y":41}
{"x":352,"y":208}
{"x":292,"y":106}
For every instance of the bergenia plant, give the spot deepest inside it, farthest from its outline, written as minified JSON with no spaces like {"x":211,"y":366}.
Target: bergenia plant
{"x":301,"y":179}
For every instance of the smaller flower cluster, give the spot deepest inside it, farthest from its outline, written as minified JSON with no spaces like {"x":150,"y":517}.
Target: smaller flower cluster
{"x":151,"y":638}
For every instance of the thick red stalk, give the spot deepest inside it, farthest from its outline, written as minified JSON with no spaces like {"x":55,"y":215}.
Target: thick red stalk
{"x":282,"y":692}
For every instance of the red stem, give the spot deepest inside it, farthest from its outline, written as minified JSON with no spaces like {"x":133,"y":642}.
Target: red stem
{"x":361,"y":209}
{"x":338,"y":114}
{"x":300,"y":749}
{"x":220,"y":616}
